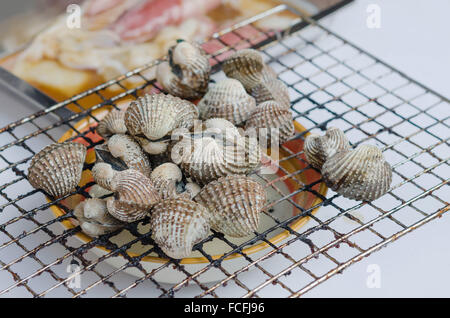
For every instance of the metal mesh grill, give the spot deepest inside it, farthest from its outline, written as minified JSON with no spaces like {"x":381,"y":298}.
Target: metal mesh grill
{"x":331,"y":83}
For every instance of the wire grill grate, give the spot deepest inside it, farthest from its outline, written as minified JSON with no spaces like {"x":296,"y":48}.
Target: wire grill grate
{"x":331,"y":83}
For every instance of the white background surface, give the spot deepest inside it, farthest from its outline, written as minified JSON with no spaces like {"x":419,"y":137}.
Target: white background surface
{"x":415,"y":38}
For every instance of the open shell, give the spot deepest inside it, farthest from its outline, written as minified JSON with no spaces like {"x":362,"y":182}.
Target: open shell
{"x":227,"y":99}
{"x":94,"y":219}
{"x":359,"y":174}
{"x":271,"y":121}
{"x":178,"y":224}
{"x":186,"y":74}
{"x":319,"y":148}
{"x":235,"y":204}
{"x":134,"y":195}
{"x":57,"y":168}
{"x":130,"y":152}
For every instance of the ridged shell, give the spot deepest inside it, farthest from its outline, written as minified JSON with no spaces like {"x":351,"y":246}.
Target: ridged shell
{"x":270,"y":115}
{"x":57,"y":168}
{"x":319,"y":148}
{"x":178,"y":224}
{"x":156,"y":115}
{"x":209,"y":157}
{"x":272,"y":89}
{"x":113,"y":123}
{"x":360,"y":174}
{"x":166,"y":188}
{"x":186,"y":75}
{"x":94,"y":219}
{"x":130,"y":152}
{"x":229,"y":100}
{"x":134,"y":195}
{"x":246,"y":66}
{"x":235,"y":203}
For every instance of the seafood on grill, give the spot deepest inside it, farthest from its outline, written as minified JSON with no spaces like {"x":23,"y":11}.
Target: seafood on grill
{"x":214,"y":153}
{"x":271,"y":122}
{"x":113,"y":123}
{"x":235,"y":203}
{"x":152,"y":117}
{"x":359,"y":174}
{"x":134,"y":196}
{"x":178,"y":224}
{"x":94,"y":219}
{"x":260,"y":81}
{"x":319,"y":148}
{"x":227,"y":99}
{"x":186,"y":74}
{"x":57,"y":168}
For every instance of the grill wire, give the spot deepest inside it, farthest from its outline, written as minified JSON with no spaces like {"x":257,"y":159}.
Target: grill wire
{"x":332,"y":83}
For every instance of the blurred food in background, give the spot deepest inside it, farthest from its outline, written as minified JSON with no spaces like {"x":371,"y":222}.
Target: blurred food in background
{"x":115,"y":36}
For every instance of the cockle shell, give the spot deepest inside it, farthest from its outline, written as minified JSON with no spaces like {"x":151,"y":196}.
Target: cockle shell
{"x":359,"y":174}
{"x":165,"y":178}
{"x":134,"y":195}
{"x":186,"y":74}
{"x":130,"y":152}
{"x":94,"y":219}
{"x":113,"y":123}
{"x":227,"y":99}
{"x":271,"y":121}
{"x":57,"y":168}
{"x":157,"y":115}
{"x":259,"y":80}
{"x":216,"y":153}
{"x":246,"y":66}
{"x":271,"y":89}
{"x":235,"y":203}
{"x":319,"y":148}
{"x":178,"y":224}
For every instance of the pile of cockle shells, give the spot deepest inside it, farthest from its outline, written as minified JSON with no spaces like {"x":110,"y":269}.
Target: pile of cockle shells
{"x":189,"y":176}
{"x":360,"y":174}
{"x":159,"y":158}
